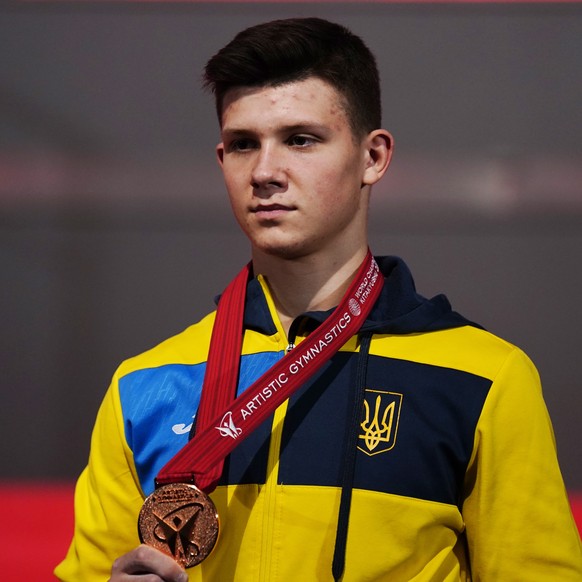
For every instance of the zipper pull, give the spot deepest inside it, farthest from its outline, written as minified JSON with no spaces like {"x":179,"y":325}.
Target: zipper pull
{"x":291,"y":335}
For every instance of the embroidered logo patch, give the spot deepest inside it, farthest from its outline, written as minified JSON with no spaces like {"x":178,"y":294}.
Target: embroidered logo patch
{"x":380,"y":421}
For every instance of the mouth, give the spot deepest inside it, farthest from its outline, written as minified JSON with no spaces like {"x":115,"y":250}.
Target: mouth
{"x":271,"y":211}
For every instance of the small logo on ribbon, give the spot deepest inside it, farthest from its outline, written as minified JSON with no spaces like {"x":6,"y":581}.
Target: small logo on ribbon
{"x":227,"y":427}
{"x":354,"y":306}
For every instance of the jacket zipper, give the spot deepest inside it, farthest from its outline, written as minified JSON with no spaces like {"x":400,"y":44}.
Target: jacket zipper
{"x":269,"y":555}
{"x":270,"y":535}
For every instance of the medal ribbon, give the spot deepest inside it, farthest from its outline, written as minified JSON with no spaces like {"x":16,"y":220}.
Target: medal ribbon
{"x":222,"y":423}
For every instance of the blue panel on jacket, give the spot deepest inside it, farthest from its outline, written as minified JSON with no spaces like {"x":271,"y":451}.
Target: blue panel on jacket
{"x":159,"y":405}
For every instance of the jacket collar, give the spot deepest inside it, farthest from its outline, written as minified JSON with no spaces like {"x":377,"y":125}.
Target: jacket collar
{"x":399,"y":309}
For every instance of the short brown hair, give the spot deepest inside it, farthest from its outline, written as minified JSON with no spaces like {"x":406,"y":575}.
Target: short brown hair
{"x":283,"y":51}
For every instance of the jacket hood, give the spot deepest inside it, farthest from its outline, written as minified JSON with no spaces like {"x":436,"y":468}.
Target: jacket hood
{"x":398,"y":310}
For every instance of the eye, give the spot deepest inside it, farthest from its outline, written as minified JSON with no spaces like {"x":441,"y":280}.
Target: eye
{"x":242,"y":144}
{"x":301,"y":140}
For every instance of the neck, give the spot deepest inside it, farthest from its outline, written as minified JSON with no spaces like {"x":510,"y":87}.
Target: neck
{"x":310,"y":283}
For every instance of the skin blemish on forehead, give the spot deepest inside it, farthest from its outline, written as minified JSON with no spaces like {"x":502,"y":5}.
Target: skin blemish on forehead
{"x":336,"y":110}
{"x":338,"y":114}
{"x":302,"y":106}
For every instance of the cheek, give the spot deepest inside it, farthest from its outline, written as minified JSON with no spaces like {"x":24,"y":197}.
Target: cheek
{"x":337,"y":188}
{"x":235,"y":186}
{"x":237,"y":203}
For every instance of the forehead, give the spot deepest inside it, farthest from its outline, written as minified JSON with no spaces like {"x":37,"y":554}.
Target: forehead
{"x":310,"y":99}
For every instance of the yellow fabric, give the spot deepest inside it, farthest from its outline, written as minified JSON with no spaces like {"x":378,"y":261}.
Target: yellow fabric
{"x":515,"y":514}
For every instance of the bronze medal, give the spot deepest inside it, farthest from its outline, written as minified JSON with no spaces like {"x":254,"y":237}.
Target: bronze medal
{"x":180,"y":520}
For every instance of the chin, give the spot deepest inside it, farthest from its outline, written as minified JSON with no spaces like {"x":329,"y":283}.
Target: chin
{"x":285,"y":251}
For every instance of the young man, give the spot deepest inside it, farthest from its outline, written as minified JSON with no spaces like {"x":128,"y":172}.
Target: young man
{"x":416,"y":446}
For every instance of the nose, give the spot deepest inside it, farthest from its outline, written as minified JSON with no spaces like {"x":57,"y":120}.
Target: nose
{"x":267,"y":174}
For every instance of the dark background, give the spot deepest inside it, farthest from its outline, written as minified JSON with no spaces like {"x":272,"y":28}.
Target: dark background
{"x":115,"y":230}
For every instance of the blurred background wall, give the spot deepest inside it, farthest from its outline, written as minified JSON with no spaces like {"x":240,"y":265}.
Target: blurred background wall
{"x":114,"y":226}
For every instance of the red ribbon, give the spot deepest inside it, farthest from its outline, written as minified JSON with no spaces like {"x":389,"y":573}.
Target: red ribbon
{"x":222,"y":423}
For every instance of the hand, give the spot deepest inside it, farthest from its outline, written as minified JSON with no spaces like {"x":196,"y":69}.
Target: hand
{"x":146,"y":563}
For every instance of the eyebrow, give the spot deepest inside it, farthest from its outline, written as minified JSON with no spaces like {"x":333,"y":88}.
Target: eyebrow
{"x":302,"y":127}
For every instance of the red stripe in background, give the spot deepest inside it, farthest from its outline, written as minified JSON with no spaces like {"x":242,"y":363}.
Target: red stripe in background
{"x":37,"y":525}
{"x":576,"y":503}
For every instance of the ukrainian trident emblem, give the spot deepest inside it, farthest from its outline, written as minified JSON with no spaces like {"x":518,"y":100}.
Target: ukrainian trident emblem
{"x":380,"y":424}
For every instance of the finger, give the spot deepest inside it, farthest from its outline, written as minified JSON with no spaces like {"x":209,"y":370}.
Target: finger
{"x":145,"y":560}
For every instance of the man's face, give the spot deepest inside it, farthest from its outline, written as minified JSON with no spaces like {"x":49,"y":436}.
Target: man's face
{"x":293,"y":169}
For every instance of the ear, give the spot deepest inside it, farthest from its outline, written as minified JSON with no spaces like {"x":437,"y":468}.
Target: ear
{"x":379,"y":146}
{"x":220,"y":153}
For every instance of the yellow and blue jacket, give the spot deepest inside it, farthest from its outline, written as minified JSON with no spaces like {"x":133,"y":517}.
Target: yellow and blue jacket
{"x":453,"y":475}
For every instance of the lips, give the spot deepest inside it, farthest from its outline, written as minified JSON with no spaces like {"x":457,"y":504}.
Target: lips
{"x":271,"y":211}
{"x":271,"y":208}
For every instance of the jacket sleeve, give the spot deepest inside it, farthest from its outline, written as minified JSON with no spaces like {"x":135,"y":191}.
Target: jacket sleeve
{"x":518,"y":520}
{"x":107,"y":500}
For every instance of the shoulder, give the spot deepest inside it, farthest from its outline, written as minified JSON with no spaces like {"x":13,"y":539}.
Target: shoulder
{"x":467,"y":348}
